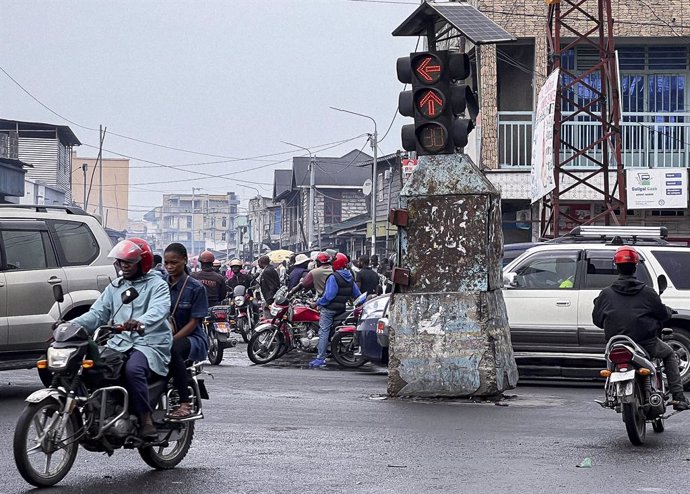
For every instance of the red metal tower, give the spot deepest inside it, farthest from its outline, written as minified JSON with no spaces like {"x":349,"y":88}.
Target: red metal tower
{"x":572,"y":23}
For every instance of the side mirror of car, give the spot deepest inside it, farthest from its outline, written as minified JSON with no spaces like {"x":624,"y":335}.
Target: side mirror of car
{"x":662,"y":282}
{"x":510,"y":280}
{"x":58,"y":294}
{"x":129,"y":295}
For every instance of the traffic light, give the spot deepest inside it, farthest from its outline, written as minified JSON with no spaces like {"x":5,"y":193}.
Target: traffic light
{"x":438,"y":96}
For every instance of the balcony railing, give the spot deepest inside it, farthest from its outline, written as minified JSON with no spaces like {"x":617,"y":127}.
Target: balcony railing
{"x":649,"y":139}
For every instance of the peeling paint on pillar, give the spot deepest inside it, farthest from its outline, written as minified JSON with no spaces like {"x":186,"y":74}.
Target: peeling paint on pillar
{"x":449,"y":328}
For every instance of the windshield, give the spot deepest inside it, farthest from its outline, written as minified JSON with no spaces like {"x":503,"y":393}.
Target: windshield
{"x":239,"y":291}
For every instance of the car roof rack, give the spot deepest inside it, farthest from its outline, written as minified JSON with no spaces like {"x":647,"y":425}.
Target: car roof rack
{"x":616,"y":235}
{"x":40,"y":208}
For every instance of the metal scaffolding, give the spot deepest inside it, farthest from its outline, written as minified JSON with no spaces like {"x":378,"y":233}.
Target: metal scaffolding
{"x":573,"y":23}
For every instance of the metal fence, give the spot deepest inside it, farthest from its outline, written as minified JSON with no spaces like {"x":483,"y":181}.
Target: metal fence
{"x":649,"y":139}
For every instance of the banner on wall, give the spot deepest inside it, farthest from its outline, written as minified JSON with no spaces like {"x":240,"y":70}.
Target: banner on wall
{"x":657,"y":188}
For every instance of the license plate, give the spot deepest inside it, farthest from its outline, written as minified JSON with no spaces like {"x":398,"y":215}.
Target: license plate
{"x":221,"y":327}
{"x":622,"y":376}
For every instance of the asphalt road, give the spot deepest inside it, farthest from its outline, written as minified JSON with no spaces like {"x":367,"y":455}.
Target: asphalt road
{"x":288,"y":429}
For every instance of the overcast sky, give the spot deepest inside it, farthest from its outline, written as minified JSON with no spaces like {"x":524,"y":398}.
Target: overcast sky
{"x":231,"y":78}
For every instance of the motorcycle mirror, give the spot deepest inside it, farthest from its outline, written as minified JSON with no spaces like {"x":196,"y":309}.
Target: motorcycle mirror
{"x":662,"y":282}
{"x":129,"y":295}
{"x":58,"y":294}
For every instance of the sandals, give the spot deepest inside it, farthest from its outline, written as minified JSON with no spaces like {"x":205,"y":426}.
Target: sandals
{"x":184,"y":411}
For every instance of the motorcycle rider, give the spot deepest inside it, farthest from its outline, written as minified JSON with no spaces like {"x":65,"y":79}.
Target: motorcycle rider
{"x":340,"y":287}
{"x":151,"y":351}
{"x":631,"y":308}
{"x":236,"y":276}
{"x":212,"y":281}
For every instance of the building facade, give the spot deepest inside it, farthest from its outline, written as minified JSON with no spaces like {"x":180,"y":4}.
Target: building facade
{"x":86,"y":171}
{"x":264,"y":225}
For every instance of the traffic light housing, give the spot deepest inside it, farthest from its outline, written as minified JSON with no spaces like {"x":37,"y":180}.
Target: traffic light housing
{"x":437,"y":98}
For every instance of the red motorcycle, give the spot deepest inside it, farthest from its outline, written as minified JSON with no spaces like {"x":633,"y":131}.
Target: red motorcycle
{"x":295,"y":325}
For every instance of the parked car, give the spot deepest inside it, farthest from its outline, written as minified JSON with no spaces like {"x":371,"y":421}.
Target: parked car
{"x":41,"y":246}
{"x":551,"y":320}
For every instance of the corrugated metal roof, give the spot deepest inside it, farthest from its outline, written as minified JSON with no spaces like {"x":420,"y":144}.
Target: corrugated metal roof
{"x":344,"y":171}
{"x":65,"y":134}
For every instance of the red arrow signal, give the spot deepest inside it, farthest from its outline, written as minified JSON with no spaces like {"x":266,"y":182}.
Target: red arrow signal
{"x":425,"y":70}
{"x":431,"y":102}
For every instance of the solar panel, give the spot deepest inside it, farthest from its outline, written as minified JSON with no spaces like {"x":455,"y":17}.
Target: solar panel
{"x":472,"y":23}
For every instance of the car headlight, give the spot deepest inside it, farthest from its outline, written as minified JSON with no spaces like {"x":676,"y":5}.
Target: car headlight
{"x":58,"y":357}
{"x":275,"y":309}
{"x":239,"y":300}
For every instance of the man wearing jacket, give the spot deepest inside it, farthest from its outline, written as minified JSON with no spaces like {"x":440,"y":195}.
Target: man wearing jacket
{"x":340,"y":288}
{"x":631,"y":308}
{"x":269,"y":282}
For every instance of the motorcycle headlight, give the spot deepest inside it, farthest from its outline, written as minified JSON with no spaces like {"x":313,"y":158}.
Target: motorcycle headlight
{"x":239,"y":300}
{"x":275,"y":310}
{"x":58,"y":357}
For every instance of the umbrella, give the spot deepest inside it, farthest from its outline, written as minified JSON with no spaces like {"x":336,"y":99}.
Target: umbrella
{"x":278,"y":256}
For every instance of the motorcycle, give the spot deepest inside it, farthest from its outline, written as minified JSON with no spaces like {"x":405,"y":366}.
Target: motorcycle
{"x":246,"y":317}
{"x":294,"y":325}
{"x":86,"y":404}
{"x":218,"y":325}
{"x":345,"y":346}
{"x":636,"y":386}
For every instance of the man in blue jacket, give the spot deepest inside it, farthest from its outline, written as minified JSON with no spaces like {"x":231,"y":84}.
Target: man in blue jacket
{"x":340,"y":288}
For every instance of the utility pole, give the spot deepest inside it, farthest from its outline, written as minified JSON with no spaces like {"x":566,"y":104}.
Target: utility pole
{"x":194,"y":189}
{"x":312,"y":192}
{"x":373,"y":139}
{"x":84,"y":168}
{"x":100,"y":172}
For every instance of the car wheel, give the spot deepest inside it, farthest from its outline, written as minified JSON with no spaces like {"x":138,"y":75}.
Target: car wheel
{"x":680,"y":342}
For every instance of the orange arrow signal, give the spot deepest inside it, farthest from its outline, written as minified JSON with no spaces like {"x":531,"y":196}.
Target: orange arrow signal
{"x":431,"y":100}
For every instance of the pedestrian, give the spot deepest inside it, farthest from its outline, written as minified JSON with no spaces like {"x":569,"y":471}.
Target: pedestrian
{"x":188,"y":308}
{"x":158,"y":265}
{"x":268,"y":282}
{"x":340,"y":288}
{"x":214,"y":282}
{"x":367,"y":279}
{"x":298,"y":271}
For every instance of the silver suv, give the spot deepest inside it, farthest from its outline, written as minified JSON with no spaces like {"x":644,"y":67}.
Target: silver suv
{"x":550,"y":289}
{"x":42,"y":246}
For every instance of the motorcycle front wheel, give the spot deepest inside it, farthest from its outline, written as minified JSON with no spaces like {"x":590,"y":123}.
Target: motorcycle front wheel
{"x":44,"y":452}
{"x":244,"y":330}
{"x":265,"y":346}
{"x":634,"y":419}
{"x":215,"y":351}
{"x":344,"y":349}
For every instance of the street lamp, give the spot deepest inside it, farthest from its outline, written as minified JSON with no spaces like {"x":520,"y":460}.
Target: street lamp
{"x":374,"y":145}
{"x":312,"y":202}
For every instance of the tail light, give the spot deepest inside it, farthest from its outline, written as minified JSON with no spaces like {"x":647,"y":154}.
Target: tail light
{"x":620,"y":355}
{"x":380,"y":326}
{"x":219,"y":315}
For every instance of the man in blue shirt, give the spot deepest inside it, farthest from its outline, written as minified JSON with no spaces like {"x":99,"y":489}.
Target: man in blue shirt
{"x":340,"y":288}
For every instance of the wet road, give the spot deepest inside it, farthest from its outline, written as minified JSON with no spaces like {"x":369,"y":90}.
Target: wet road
{"x":287,"y":429}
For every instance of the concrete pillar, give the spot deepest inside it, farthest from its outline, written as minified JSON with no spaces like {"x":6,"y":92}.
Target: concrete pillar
{"x":449,"y":329}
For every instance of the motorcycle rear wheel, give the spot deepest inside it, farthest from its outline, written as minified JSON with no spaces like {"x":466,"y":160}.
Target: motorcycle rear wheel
{"x":344,"y":348}
{"x":215,"y":350}
{"x":265,"y":346}
{"x":160,"y":459}
{"x":634,"y":419}
{"x":31,"y":443}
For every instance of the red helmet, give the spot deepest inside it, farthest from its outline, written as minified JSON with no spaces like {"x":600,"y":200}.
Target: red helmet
{"x":340,"y":261}
{"x":146,"y":254}
{"x":323,"y":258}
{"x":207,"y":257}
{"x":626,"y":255}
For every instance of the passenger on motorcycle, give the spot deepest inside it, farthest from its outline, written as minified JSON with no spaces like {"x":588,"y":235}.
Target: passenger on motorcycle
{"x":188,"y":308}
{"x":147,"y":353}
{"x":340,"y":288}
{"x":631,"y":308}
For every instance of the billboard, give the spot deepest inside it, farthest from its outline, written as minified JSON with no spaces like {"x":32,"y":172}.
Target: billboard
{"x":541,"y":173}
{"x":657,"y":188}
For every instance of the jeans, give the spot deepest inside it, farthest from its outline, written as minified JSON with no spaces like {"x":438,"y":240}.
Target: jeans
{"x":178,"y":354}
{"x":661,"y":350}
{"x":325,"y":322}
{"x":136,"y":381}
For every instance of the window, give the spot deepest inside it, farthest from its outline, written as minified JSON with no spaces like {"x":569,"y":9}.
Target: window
{"x":222,"y":237}
{"x":548,"y":271}
{"x":24,"y":249}
{"x":332,"y":208}
{"x":677,"y":267}
{"x":78,"y":246}
{"x":601,"y":271}
{"x":189,"y":221}
{"x":379,"y":187}
{"x":225,"y":222}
